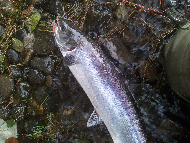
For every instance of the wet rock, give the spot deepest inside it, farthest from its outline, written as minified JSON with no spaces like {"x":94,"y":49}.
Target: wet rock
{"x":35,"y":77}
{"x":12,"y":56}
{"x":142,"y":40}
{"x":22,"y":90}
{"x":117,"y":50}
{"x":16,"y":71}
{"x":62,"y":72}
{"x":40,"y":3}
{"x":17,"y":45}
{"x":147,"y":70}
{"x":4,"y":113}
{"x":122,"y":13}
{"x":48,"y":80}
{"x":55,"y":8}
{"x":67,"y":118}
{"x":26,"y":56}
{"x":40,"y":94}
{"x":45,"y":64}
{"x":44,"y":43}
{"x":26,"y":72}
{"x":6,"y":7}
{"x":68,"y":112}
{"x":29,"y":11}
{"x":6,"y":85}
{"x":20,"y":34}
{"x":128,"y":37}
{"x":60,"y":86}
{"x":171,"y":127}
{"x":2,"y":29}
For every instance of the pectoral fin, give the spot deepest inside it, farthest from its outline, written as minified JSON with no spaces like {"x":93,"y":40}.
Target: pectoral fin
{"x":94,"y":119}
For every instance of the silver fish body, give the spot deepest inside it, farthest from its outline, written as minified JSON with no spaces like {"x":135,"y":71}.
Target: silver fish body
{"x":103,"y":84}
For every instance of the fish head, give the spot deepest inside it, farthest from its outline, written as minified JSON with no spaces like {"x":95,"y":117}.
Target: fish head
{"x":63,"y":37}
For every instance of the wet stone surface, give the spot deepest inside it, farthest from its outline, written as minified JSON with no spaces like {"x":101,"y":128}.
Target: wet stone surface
{"x":12,"y":56}
{"x":16,"y":71}
{"x":7,"y":85}
{"x":39,"y":94}
{"x":48,"y":80}
{"x":147,"y":71}
{"x":36,"y":77}
{"x":7,"y":5}
{"x":44,"y":64}
{"x":26,"y":56}
{"x":44,"y":43}
{"x":22,"y":90}
{"x":1,"y":29}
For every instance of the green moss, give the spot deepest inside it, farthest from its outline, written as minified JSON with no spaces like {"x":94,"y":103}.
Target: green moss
{"x":10,"y":123}
{"x":33,"y":21}
{"x":17,"y":45}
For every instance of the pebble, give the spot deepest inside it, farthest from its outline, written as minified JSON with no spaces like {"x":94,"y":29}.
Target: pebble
{"x":26,"y":56}
{"x":16,"y":71}
{"x":23,"y":90}
{"x":48,"y":80}
{"x":44,"y":43}
{"x":6,"y":85}
{"x":40,"y":94}
{"x":36,"y":76}
{"x":12,"y":56}
{"x":44,"y":64}
{"x":147,"y":71}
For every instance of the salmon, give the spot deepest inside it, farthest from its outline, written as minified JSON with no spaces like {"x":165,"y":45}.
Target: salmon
{"x":102,"y":82}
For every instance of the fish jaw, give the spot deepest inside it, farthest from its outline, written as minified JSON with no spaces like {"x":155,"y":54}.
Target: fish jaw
{"x":63,"y":38}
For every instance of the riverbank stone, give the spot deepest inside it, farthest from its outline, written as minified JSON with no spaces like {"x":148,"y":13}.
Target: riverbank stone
{"x":40,"y":94}
{"x":44,"y":64}
{"x":26,"y":56}
{"x":16,"y":71}
{"x":6,"y":85}
{"x":12,"y":56}
{"x":23,"y":90}
{"x":2,"y":29}
{"x":44,"y":43}
{"x":36,"y":77}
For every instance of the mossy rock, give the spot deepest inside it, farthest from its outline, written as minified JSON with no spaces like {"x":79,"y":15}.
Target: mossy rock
{"x":17,"y":45}
{"x":33,"y":21}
